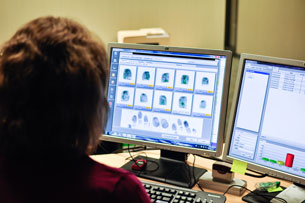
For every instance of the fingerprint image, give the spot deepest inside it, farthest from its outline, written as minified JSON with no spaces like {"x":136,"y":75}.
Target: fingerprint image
{"x":162,"y":100}
{"x":179,"y":121}
{"x":140,"y":115}
{"x":205,"y":81}
{"x":182,"y":102}
{"x":186,"y":124}
{"x":164,"y":123}
{"x":127,"y":74}
{"x":145,"y":75}
{"x":165,"y":77}
{"x":194,"y":131}
{"x":174,"y":127}
{"x":145,"y":119}
{"x":125,"y":95}
{"x":156,"y":122}
{"x":203,"y":104}
{"x":185,"y":79}
{"x":134,"y":118}
{"x":143,"y":98}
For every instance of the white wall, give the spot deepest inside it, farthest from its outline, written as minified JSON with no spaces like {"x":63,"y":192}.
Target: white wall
{"x":272,"y":27}
{"x":193,"y":23}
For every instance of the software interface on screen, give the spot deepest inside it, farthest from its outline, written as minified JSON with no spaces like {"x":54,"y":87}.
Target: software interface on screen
{"x":269,"y":123}
{"x":165,"y":97}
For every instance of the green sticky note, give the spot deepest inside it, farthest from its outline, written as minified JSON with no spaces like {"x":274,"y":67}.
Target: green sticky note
{"x":275,"y":189}
{"x":239,"y":166}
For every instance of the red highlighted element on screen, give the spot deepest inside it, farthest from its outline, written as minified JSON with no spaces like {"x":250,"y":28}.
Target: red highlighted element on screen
{"x":289,"y":160}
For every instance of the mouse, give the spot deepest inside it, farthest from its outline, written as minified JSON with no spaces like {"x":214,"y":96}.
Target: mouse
{"x":139,"y":165}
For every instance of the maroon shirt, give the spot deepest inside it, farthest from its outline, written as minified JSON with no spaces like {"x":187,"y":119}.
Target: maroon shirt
{"x":75,"y":181}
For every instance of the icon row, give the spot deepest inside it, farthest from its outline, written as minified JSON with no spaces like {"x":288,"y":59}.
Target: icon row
{"x":166,"y":78}
{"x":165,"y":101}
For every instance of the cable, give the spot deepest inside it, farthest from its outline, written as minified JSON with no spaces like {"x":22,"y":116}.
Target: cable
{"x":194,"y":173}
{"x":254,"y":193}
{"x":132,"y":157}
{"x":137,"y":154}
{"x":151,"y":161}
{"x":189,"y":174}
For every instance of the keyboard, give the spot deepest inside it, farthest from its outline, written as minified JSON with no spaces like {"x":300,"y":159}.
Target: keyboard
{"x":160,"y":193}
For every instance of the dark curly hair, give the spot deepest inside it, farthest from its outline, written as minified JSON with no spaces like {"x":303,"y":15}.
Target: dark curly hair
{"x":53,"y":78}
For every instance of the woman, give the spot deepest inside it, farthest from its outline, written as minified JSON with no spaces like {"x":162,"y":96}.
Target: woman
{"x":53,"y":108}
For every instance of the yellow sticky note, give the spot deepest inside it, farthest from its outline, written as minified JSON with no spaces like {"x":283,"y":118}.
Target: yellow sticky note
{"x":275,"y":189}
{"x":239,"y":166}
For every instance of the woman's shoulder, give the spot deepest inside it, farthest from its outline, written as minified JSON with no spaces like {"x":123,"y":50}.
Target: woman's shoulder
{"x":123,"y":184}
{"x":84,"y":179}
{"x":111,"y":175}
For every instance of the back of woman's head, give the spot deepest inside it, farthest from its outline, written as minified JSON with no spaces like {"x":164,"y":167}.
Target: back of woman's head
{"x":53,"y":78}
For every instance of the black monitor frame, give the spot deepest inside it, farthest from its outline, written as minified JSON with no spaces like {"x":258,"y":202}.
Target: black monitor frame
{"x":175,"y":156}
{"x":231,"y":121}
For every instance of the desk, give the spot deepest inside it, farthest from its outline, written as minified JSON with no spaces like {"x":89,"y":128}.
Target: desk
{"x":117,"y":160}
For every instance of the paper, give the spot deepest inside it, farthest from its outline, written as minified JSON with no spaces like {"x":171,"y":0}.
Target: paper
{"x":141,"y":34}
{"x":275,"y":189}
{"x":239,"y":166}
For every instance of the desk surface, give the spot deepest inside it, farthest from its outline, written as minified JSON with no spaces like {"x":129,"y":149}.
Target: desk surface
{"x":117,"y":160}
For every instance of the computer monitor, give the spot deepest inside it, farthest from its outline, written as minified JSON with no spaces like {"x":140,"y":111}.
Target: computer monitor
{"x":171,"y":98}
{"x":267,"y":126}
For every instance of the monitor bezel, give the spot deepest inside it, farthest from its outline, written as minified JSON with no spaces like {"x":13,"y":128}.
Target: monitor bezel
{"x":231,"y":120}
{"x":220,"y":139}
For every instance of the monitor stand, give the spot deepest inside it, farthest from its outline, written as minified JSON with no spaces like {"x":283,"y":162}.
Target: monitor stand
{"x":294,"y":193}
{"x":171,"y":168}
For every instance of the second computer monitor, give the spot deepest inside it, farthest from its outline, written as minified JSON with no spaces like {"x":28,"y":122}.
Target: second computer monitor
{"x":267,"y":127}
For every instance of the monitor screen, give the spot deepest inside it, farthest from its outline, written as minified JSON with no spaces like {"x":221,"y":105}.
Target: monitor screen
{"x":171,"y":98}
{"x":267,"y":126}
